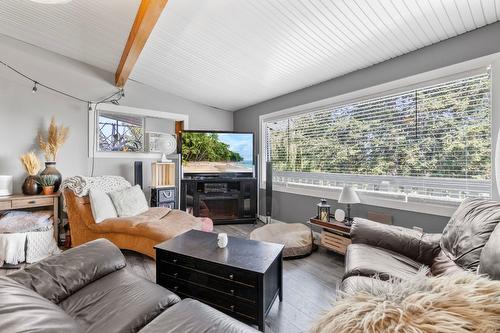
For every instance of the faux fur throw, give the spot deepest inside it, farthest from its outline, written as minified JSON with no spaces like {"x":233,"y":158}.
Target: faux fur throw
{"x":21,"y":221}
{"x":460,"y":303}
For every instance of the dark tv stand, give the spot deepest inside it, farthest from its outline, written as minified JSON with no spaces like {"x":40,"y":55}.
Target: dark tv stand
{"x":224,"y":200}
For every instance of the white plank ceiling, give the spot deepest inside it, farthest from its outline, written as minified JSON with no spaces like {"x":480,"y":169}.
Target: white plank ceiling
{"x":234,"y":53}
{"x":92,"y":31}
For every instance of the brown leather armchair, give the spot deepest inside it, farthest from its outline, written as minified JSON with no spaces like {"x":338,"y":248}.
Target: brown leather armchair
{"x":139,"y":233}
{"x":392,"y":252}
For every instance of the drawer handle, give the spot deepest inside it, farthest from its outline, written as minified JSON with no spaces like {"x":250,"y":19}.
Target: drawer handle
{"x":32,"y":202}
{"x":174,"y":261}
{"x":231,"y":276}
{"x":232,"y":292}
{"x":175,"y":275}
{"x":232,"y":308}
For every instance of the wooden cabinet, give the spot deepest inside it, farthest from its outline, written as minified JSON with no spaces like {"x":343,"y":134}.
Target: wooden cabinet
{"x":21,"y":201}
{"x":224,"y":200}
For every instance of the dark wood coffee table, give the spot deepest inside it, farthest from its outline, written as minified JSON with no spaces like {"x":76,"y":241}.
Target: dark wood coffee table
{"x":242,"y":280}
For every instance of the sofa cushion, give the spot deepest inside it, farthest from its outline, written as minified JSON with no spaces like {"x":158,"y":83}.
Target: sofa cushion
{"x":57,"y":277}
{"x":490,"y":256}
{"x":158,"y":223}
{"x":23,"y":310}
{"x":421,"y":247}
{"x":367,"y":260}
{"x":190,"y":316}
{"x":101,"y":205}
{"x":468,"y":231}
{"x":130,"y":201}
{"x":118,"y":302}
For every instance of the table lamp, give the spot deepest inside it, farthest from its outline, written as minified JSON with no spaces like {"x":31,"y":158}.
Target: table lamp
{"x":348,"y":196}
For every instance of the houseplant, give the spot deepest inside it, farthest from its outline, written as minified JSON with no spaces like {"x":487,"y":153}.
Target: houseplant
{"x":32,"y":166}
{"x":56,"y":137}
{"x":47,"y":183}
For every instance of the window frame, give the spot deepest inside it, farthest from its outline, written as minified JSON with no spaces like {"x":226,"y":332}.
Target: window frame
{"x":93,"y":149}
{"x":432,"y":206}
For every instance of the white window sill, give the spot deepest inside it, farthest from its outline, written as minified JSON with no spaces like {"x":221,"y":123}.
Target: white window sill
{"x":414,"y":203}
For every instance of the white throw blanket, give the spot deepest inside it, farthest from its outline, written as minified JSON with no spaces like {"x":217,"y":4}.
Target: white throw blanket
{"x":12,"y":248}
{"x":81,"y":185}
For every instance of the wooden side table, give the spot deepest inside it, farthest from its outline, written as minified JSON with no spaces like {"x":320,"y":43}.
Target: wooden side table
{"x":21,"y":201}
{"x":335,"y":236}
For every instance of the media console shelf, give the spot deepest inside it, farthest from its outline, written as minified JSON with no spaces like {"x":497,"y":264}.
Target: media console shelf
{"x":224,"y":200}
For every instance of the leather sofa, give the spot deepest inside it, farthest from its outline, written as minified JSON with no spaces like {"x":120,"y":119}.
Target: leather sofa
{"x":470,"y":241}
{"x":90,"y":289}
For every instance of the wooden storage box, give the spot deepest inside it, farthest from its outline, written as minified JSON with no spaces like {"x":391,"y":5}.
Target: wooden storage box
{"x":162,"y":174}
{"x":335,"y":242}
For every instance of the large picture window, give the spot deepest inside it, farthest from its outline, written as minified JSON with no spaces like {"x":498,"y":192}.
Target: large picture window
{"x":429,"y":142}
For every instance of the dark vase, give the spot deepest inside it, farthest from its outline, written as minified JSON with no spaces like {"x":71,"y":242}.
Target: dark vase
{"x":50,"y":169}
{"x":31,"y":186}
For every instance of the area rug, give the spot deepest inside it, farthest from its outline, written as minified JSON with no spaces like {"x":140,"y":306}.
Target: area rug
{"x":461,"y":303}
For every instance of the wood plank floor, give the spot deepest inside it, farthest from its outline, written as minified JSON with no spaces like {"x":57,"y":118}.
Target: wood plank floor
{"x":309,"y":283}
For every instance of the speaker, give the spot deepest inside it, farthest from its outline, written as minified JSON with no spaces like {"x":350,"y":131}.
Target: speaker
{"x":138,"y":173}
{"x":269,"y":188}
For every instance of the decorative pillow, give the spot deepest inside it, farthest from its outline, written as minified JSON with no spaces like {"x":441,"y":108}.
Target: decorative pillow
{"x":129,"y":202}
{"x":101,"y":205}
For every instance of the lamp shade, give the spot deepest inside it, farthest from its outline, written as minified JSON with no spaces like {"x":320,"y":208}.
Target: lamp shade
{"x":348,"y":196}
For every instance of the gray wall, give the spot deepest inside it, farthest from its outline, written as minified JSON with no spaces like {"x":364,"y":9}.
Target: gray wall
{"x":468,"y":46}
{"x":23,"y":114}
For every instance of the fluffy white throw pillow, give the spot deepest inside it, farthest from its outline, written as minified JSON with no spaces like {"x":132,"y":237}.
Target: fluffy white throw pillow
{"x":130,"y":201}
{"x":101,"y":205}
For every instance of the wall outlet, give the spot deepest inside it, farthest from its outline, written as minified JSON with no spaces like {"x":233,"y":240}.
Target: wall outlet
{"x":418,"y":229}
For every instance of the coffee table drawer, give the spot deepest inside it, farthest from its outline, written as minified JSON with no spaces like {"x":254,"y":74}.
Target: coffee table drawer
{"x":221,"y":271}
{"x":225,"y":303}
{"x":230,"y":288}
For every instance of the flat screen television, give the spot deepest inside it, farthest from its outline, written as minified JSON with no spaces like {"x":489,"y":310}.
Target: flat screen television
{"x":214,"y":153}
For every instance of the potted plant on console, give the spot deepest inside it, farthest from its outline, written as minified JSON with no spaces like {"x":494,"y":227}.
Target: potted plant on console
{"x":47,"y":182}
{"x":56,"y":137}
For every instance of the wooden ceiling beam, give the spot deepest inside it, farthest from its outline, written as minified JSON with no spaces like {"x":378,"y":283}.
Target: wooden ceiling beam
{"x":147,"y":15}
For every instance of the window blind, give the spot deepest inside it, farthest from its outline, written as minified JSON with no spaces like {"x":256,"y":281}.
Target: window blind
{"x":430,"y":142}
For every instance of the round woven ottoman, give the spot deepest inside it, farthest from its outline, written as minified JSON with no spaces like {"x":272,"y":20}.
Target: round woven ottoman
{"x":296,"y":237}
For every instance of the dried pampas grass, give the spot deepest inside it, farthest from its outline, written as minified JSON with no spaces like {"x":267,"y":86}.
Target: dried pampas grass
{"x":460,"y":303}
{"x":30,"y":163}
{"x":56,"y":137}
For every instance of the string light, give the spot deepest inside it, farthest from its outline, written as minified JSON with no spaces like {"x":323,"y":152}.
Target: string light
{"x":114,"y":98}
